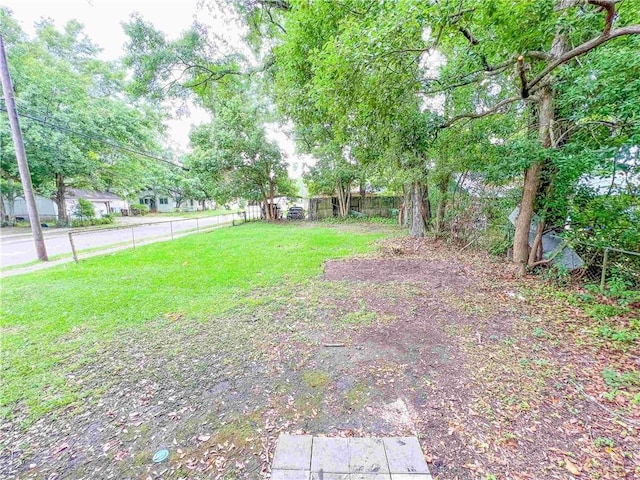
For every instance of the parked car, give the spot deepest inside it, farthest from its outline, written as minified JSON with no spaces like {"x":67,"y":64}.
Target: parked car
{"x":295,"y":213}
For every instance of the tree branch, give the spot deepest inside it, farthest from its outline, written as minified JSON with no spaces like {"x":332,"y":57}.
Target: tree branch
{"x":524,"y":89}
{"x":585,"y":48}
{"x":274,"y":22}
{"x":492,"y":110}
{"x":538,"y":55}
{"x":610,"y":7}
{"x":460,"y":14}
{"x":550,"y":259}
{"x":469,"y":36}
{"x":465,"y":80}
{"x":278,"y":4}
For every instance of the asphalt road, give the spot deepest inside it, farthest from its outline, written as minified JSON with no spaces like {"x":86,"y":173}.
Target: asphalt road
{"x":17,"y":250}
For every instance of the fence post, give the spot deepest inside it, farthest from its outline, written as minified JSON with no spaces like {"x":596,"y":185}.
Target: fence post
{"x":171,"y":226}
{"x":133,"y":238}
{"x":603,"y":276}
{"x":73,"y":248}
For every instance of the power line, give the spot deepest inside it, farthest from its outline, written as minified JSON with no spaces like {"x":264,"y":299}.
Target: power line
{"x":104,"y":140}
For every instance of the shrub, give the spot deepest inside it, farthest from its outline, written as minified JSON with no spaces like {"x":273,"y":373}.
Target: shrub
{"x":139,"y":209}
{"x":85,"y":209}
{"x":106,"y":220}
{"x":360,"y":219}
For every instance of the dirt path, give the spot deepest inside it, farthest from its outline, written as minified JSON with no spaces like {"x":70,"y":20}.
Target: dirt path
{"x":414,"y":340}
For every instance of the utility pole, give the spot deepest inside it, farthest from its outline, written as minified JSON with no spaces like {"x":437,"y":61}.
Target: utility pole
{"x":21,"y":156}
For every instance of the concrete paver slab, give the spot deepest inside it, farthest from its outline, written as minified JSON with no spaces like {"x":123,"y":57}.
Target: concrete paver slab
{"x":293,"y":453}
{"x":305,"y":457}
{"x":369,"y":476}
{"x":411,"y":476}
{"x":330,"y":455}
{"x":329,"y":476}
{"x":405,"y":455}
{"x":290,"y":475}
{"x":367,"y":455}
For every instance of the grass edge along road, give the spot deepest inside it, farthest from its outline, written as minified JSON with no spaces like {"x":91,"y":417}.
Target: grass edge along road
{"x":52,"y":320}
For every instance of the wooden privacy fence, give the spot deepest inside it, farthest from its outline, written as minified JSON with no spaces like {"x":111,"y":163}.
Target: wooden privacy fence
{"x":370,"y":206}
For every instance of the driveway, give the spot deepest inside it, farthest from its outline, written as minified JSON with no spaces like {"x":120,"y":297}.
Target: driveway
{"x":19,"y":249}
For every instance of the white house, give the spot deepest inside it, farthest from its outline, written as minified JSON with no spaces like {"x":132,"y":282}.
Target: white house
{"x":103,"y":202}
{"x":164,"y":203}
{"x":47,"y":209}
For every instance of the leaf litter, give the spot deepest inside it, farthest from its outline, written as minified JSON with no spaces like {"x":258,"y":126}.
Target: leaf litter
{"x":496,"y":376}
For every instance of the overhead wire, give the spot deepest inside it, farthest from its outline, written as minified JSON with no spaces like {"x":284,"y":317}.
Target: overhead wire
{"x":104,"y":140}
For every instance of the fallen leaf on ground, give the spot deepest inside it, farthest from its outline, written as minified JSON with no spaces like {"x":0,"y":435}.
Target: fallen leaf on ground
{"x":573,"y":469}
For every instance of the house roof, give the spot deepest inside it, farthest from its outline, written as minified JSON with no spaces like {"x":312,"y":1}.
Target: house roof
{"x":92,"y":195}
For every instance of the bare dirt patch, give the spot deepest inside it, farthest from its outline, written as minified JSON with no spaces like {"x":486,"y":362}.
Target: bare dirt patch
{"x":397,"y":270}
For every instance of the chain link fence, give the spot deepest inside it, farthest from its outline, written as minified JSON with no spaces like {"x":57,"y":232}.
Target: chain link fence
{"x":482,"y":222}
{"x":607,"y":266}
{"x":100,"y":239}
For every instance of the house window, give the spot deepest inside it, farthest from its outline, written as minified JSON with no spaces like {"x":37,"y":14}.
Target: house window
{"x":141,"y":201}
{"x":164,"y":201}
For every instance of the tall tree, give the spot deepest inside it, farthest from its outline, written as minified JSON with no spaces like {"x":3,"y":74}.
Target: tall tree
{"x":333,"y":174}
{"x":354,"y":63}
{"x":329,"y":71}
{"x":75,"y":115}
{"x":520,"y":60}
{"x":233,"y":153}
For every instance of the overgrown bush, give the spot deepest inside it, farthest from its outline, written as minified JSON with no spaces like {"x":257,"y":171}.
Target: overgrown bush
{"x":106,"y":220}
{"x":139,"y":209}
{"x":361,"y":219}
{"x":84,"y":209}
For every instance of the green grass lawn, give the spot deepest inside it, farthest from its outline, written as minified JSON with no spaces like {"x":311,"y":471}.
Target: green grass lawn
{"x":52,"y":320}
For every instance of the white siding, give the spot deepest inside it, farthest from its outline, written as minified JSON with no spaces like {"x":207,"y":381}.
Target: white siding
{"x":100,"y":206}
{"x":46,"y":207}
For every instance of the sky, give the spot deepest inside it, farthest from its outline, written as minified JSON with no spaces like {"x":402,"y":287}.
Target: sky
{"x":103,"y":20}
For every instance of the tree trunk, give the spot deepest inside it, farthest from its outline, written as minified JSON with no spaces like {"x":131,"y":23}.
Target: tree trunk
{"x":340,"y":199}
{"x":3,"y":212}
{"x":61,"y":200}
{"x":426,"y":204}
{"x":271,"y":197}
{"x":443,"y":197}
{"x":265,"y":203}
{"x":536,"y":246}
{"x":418,"y":226}
{"x":403,"y":215}
{"x":523,"y":223}
{"x":344,"y":198}
{"x":347,"y":203}
{"x":546,"y":116}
